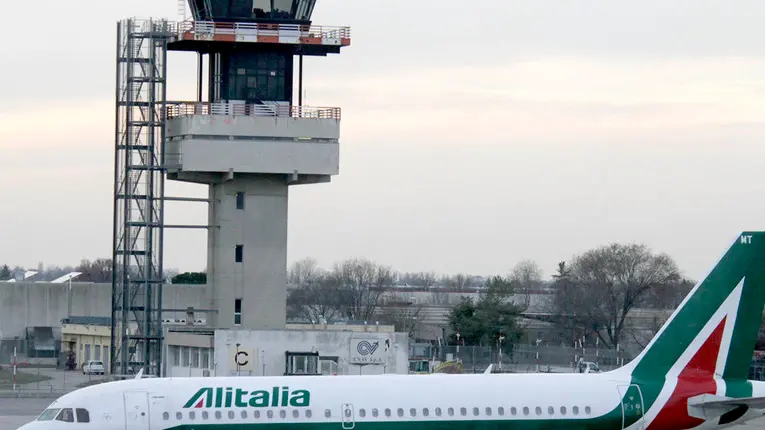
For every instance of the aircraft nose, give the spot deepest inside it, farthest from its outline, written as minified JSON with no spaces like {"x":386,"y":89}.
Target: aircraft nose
{"x":29,"y":426}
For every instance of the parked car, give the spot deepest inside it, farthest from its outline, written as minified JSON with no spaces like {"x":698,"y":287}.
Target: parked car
{"x":93,"y":367}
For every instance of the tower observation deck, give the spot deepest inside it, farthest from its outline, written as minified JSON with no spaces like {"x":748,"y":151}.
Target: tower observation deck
{"x":246,"y":138}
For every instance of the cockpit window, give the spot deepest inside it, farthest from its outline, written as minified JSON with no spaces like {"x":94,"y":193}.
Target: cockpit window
{"x":65,"y":415}
{"x":82,"y":415}
{"x":48,"y":414}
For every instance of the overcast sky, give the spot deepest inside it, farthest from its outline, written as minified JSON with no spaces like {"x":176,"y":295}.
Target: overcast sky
{"x":475,"y":133}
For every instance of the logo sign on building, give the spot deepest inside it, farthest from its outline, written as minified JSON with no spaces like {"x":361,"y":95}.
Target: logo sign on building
{"x":242,"y":359}
{"x":368,"y":351}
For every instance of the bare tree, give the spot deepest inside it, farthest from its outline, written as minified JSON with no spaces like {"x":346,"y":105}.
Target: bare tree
{"x":606,"y":283}
{"x":302,"y":271}
{"x":403,"y":315}
{"x":99,"y":270}
{"x":362,"y":284}
{"x":458,"y":282}
{"x":317,"y":299}
{"x":643,"y":330}
{"x":527,"y":277}
{"x":420,"y":279}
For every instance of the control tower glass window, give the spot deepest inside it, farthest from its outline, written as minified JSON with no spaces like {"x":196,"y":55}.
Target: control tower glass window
{"x":283,"y":9}
{"x":248,"y":10}
{"x":256,"y":77}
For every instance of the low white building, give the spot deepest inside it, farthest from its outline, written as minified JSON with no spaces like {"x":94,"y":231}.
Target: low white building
{"x":298,"y":350}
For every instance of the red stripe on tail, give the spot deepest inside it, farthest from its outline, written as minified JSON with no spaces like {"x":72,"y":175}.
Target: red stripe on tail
{"x":696,"y":378}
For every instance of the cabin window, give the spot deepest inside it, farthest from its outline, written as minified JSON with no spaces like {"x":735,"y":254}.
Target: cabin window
{"x":192,"y":415}
{"x":295,"y":413}
{"x":425,"y":412}
{"x":231,"y":415}
{"x":413,"y":412}
{"x":400,"y":412}
{"x":525,"y":410}
{"x":48,"y":414}
{"x":488,"y":411}
{"x":327,"y":413}
{"x":451,"y":412}
{"x":513,"y":411}
{"x":204,"y":415}
{"x":438,"y":412}
{"x":255,"y":414}
{"x":500,"y":411}
{"x":165,"y":416}
{"x":575,"y":410}
{"x":587,"y":410}
{"x":463,"y":411}
{"x":387,"y":412}
{"x":308,"y":413}
{"x":563,"y":410}
{"x":475,"y":411}
{"x":283,"y":413}
{"x":362,"y":412}
{"x":178,"y":416}
{"x":65,"y":415}
{"x":538,"y":410}
{"x":374,"y":412}
{"x":270,"y":414}
{"x":82,"y":415}
{"x":550,"y":410}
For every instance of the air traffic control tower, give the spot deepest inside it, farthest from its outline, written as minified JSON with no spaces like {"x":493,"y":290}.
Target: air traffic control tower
{"x":246,"y":139}
{"x":249,"y":141}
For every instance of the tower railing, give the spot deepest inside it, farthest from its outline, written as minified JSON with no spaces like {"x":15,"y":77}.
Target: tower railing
{"x":178,"y":109}
{"x":262,"y":32}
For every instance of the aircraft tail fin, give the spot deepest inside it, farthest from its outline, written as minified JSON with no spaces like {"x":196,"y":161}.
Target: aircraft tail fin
{"x":714,"y":329}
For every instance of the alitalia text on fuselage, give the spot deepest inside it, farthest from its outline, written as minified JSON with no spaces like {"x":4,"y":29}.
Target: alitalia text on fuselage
{"x":230,"y":397}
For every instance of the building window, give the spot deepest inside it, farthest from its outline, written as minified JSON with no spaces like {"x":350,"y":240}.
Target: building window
{"x":175,"y":352}
{"x":240,"y":200}
{"x":237,"y":311}
{"x":301,"y":363}
{"x":239,"y":252}
{"x":205,"y":358}
{"x":195,"y":357}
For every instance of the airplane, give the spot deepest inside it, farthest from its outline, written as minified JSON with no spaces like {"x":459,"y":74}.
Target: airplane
{"x":693,"y":374}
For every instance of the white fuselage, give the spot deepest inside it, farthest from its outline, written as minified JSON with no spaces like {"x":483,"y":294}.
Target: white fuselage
{"x":346,"y":402}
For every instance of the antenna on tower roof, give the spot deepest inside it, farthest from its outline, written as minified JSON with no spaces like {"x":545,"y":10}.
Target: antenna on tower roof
{"x":182,"y":9}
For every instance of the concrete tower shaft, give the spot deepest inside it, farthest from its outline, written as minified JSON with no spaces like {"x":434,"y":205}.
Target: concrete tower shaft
{"x":249,"y":142}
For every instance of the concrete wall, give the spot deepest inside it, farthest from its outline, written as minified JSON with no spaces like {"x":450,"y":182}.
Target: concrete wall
{"x":267,"y":348}
{"x":251,"y":144}
{"x":44,"y":304}
{"x":260,"y":227}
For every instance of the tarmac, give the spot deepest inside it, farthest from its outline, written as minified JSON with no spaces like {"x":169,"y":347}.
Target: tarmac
{"x":16,"y":412}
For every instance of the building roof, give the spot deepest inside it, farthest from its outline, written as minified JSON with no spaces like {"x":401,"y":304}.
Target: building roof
{"x":105,"y":321}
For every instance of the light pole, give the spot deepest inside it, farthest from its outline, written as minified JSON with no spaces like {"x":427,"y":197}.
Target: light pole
{"x":236,"y":358}
{"x":457,"y":335}
{"x":499,"y":351}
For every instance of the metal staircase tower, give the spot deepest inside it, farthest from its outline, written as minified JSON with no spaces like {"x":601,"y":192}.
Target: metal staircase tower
{"x":139,"y":182}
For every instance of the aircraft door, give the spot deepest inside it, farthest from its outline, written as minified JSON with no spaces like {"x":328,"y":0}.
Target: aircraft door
{"x":632,"y":406}
{"x":349,"y":417}
{"x":136,"y":410}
